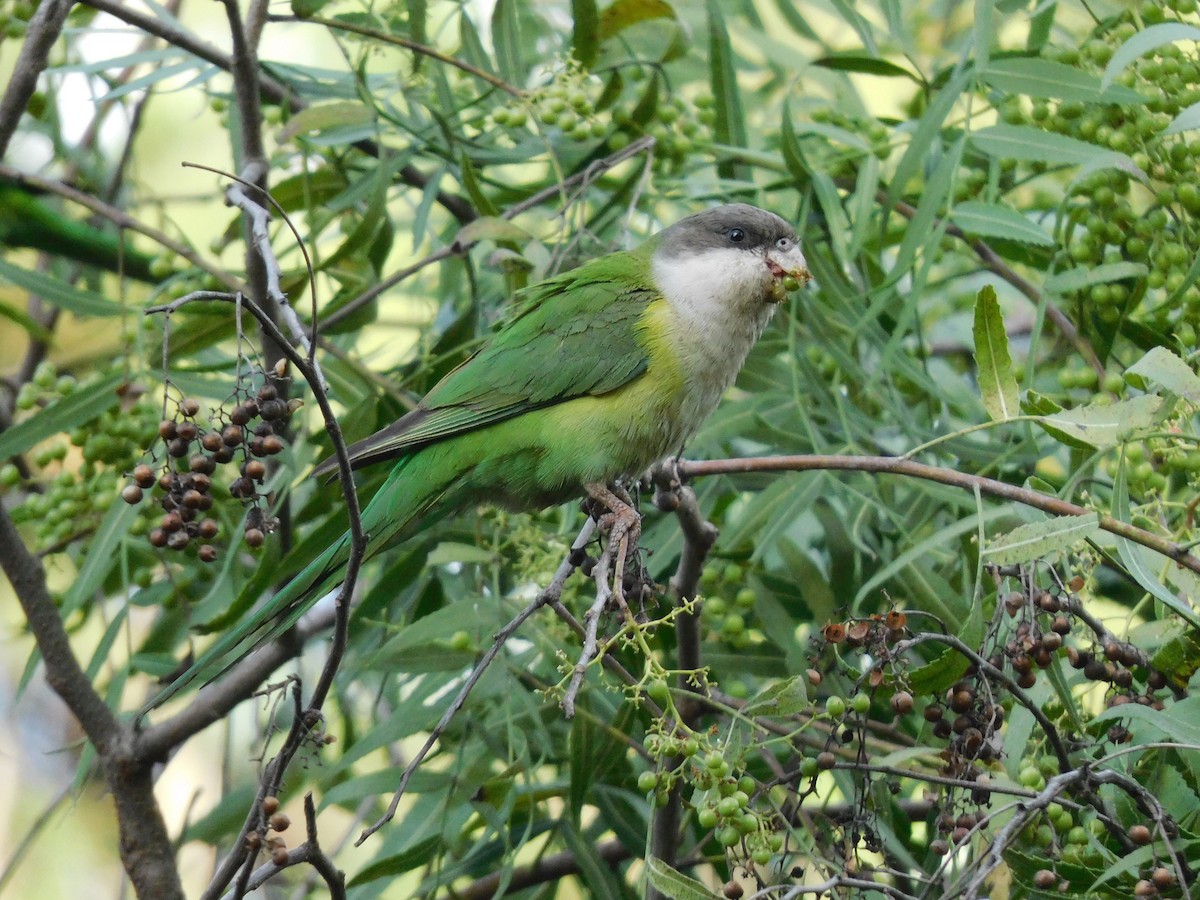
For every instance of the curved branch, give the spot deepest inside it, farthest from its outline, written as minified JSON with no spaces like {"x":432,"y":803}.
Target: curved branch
{"x":890,"y":465}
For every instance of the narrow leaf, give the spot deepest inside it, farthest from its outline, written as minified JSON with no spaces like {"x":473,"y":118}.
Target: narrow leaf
{"x":585,"y":39}
{"x":85,"y":404}
{"x":993,"y":362}
{"x":1187,"y":120}
{"x":1101,"y":426}
{"x":1027,"y":543}
{"x":1143,"y":42}
{"x":1045,"y":78}
{"x":674,"y":884}
{"x":621,"y":14}
{"x":53,"y":290}
{"x":1034,"y":145}
{"x":729,"y":127}
{"x":1164,"y":367}
{"x":867,"y":65}
{"x":990,"y":220}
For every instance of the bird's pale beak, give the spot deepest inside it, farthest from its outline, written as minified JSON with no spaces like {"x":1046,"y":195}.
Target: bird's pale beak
{"x":787,"y":266}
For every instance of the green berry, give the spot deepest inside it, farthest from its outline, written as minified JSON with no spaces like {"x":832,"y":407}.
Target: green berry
{"x":835,"y":706}
{"x":647,"y":782}
{"x":728,"y":836}
{"x":860,"y":703}
{"x":659,"y":691}
{"x":706,"y":816}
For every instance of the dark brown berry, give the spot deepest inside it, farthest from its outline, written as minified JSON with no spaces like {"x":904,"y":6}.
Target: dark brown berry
{"x":1145,"y":888}
{"x":835,"y":632}
{"x":253,"y":841}
{"x":1075,"y":585}
{"x":207,"y":553}
{"x":933,"y":712}
{"x":255,"y":469}
{"x":1112,"y":650}
{"x":166,"y":481}
{"x":251,"y":408}
{"x":270,"y":805}
{"x":178,"y":540}
{"x":961,"y":698}
{"x":143,"y":475}
{"x":188,"y":431}
{"x":232,"y":436}
{"x":732,"y":890}
{"x":202,"y":463}
{"x":239,"y":415}
{"x":266,"y":392}
{"x":242,"y":488}
{"x":132,"y":494}
{"x":272,"y":445}
{"x":166,"y":429}
{"x":254,"y":537}
{"x":814,"y":677}
{"x":1027,"y":679}
{"x":941,"y":729}
{"x":1061,"y":625}
{"x":1048,"y":602}
{"x":208,"y":528}
{"x":255,"y":446}
{"x":201,"y":482}
{"x":171,"y":522}
{"x":826,"y":759}
{"x":211,"y":442}
{"x":189,"y":407}
{"x":279,"y":856}
{"x":1163,"y":878}
{"x":280,"y":821}
{"x":895,"y":620}
{"x":262,"y":429}
{"x":178,"y":448}
{"x":1156,"y":680}
{"x":193,"y":499}
{"x":939,"y":847}
{"x":158,"y":538}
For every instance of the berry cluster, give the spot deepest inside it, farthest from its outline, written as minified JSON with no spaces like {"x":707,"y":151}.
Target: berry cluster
{"x":1115,"y":218}
{"x":727,"y":620}
{"x":184,"y":481}
{"x":76,"y":480}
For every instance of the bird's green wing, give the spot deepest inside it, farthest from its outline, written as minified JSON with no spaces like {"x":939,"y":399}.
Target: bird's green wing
{"x":571,"y":336}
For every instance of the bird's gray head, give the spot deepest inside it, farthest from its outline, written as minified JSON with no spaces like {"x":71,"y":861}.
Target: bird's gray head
{"x":735,"y":250}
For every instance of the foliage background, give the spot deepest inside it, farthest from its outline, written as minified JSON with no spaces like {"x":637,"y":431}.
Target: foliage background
{"x":900,"y":136}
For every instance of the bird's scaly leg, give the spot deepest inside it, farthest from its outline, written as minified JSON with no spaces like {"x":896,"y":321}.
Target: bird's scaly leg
{"x":622,"y":520}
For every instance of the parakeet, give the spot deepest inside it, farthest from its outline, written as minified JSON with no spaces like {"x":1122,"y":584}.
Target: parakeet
{"x":598,"y":372}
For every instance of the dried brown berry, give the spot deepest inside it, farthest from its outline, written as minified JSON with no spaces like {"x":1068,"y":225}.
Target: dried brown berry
{"x":202,"y":463}
{"x":158,"y":538}
{"x":207,"y":553}
{"x":814,"y":677}
{"x":280,"y":821}
{"x":895,"y":620}
{"x":132,"y":494}
{"x":1027,"y":680}
{"x":171,"y":522}
{"x":1044,"y":879}
{"x":1061,"y":625}
{"x":279,"y":856}
{"x":166,"y":429}
{"x":1163,"y":878}
{"x":960,"y":698}
{"x":253,"y":841}
{"x":211,"y":442}
{"x":826,"y":759}
{"x":178,"y":540}
{"x":933,"y":712}
{"x":255,"y":469}
{"x":835,"y":632}
{"x":232,"y":436}
{"x":266,"y":392}
{"x":1075,"y":585}
{"x":143,"y":475}
{"x":239,"y":415}
{"x":208,"y":528}
{"x":732,"y":890}
{"x":1145,"y":888}
{"x":189,"y":407}
{"x":178,"y":448}
{"x":188,"y":431}
{"x":254,"y":537}
{"x":271,"y":445}
{"x":193,"y":499}
{"x":270,"y":805}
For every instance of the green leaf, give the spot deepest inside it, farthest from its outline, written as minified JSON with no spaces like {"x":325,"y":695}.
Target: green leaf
{"x":506,"y":40}
{"x":585,"y":39}
{"x":1036,"y":77}
{"x":945,"y":669}
{"x":326,"y":117}
{"x":1139,"y":560}
{"x":785,"y":698}
{"x":1034,"y":145}
{"x":418,"y":854}
{"x":1165,"y":368}
{"x":674,"y":884}
{"x":1027,"y":543}
{"x":621,"y":14}
{"x":1070,"y":280}
{"x":1143,"y":42}
{"x":992,"y":220}
{"x":492,"y":228}
{"x":53,"y":290}
{"x":851,"y":61}
{"x":1102,"y":425}
{"x":84,"y":405}
{"x":102,"y":555}
{"x":993,"y":363}
{"x":729,"y":127}
{"x":1187,"y":120}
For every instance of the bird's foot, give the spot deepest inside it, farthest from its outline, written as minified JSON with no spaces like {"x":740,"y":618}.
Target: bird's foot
{"x":622,"y":521}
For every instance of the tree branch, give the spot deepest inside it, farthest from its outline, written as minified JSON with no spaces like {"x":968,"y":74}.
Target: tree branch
{"x":890,"y":465}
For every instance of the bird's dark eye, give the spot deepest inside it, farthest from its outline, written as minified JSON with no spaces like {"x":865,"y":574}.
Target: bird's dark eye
{"x":737,"y":235}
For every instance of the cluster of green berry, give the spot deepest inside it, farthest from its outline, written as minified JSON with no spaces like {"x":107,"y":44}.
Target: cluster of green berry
{"x":727,"y":620}
{"x":193,"y":452}
{"x":567,"y":104}
{"x":676,"y":125}
{"x":1117,"y":218}
{"x":727,"y":801}
{"x":77,"y":479}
